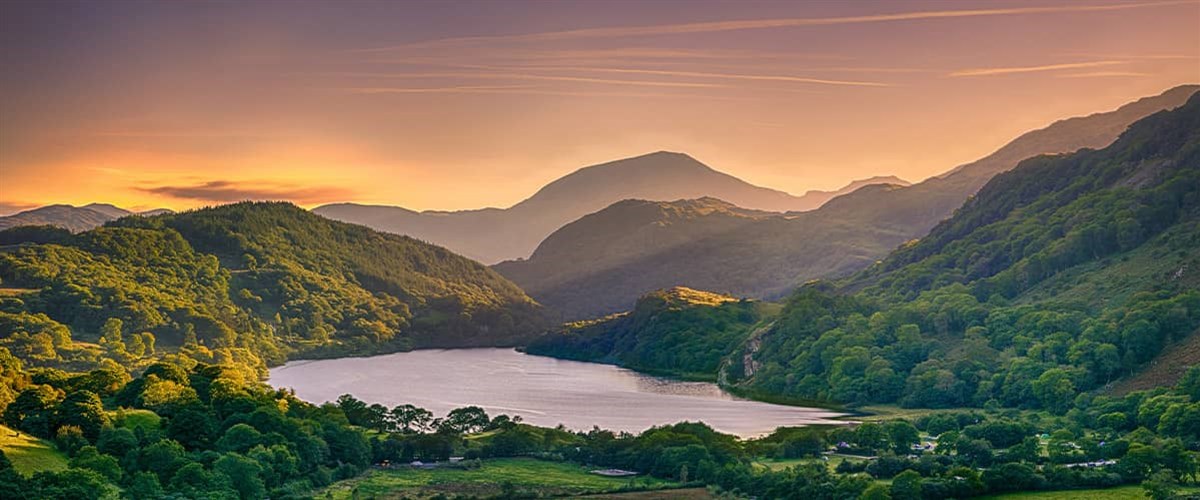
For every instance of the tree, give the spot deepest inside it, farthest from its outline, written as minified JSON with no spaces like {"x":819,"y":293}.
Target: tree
{"x":117,"y":441}
{"x":90,"y":458}
{"x":411,"y":419}
{"x":73,"y":483}
{"x":876,"y":492}
{"x":192,"y":426}
{"x":1055,"y":390}
{"x":144,"y":486}
{"x":907,"y":486}
{"x":240,"y":438}
{"x":1161,"y":485}
{"x":466,"y":420}
{"x":902,"y":435}
{"x":163,"y":458}
{"x":243,"y":474}
{"x":112,"y":338}
{"x":85,"y":410}
{"x":1189,"y":384}
{"x":33,"y":410}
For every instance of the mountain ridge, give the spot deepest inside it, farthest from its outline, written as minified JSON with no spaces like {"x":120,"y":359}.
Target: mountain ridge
{"x":72,"y":218}
{"x":766,"y":258}
{"x":493,"y":235}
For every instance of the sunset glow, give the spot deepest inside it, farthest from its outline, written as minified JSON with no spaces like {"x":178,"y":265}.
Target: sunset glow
{"x":453,"y":105}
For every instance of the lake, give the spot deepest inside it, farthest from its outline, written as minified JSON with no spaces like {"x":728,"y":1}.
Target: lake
{"x":544,"y":391}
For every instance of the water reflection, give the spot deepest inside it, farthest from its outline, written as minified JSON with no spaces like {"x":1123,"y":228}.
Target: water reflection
{"x":544,"y":391}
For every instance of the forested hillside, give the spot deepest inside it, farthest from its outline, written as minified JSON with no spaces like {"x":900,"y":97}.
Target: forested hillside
{"x":1063,"y":275}
{"x":678,"y":331}
{"x":250,"y":282}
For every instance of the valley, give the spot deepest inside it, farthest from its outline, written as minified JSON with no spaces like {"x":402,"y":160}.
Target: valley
{"x":1000,"y":329}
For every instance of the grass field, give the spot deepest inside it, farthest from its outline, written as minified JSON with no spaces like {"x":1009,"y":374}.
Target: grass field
{"x":29,"y":454}
{"x":134,"y":419}
{"x":526,"y":475}
{"x":785,"y":463}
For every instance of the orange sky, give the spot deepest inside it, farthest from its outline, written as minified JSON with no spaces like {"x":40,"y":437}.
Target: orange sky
{"x":450,"y":105}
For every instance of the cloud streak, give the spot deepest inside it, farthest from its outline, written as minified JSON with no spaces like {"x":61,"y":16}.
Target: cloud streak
{"x":753,"y":24}
{"x":521,"y":90}
{"x":1104,"y":74}
{"x":1032,"y":69}
{"x":729,"y":76}
{"x":226,"y":191}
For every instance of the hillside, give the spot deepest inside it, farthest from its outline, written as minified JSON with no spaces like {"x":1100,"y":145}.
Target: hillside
{"x":492,"y":235}
{"x":255,"y":280}
{"x":814,"y":199}
{"x":600,"y":244}
{"x":678,"y":331}
{"x":1064,"y":274}
{"x":766,"y":257}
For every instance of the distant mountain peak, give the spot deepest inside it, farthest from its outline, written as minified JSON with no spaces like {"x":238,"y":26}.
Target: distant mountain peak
{"x":65,"y":216}
{"x":493,"y":235}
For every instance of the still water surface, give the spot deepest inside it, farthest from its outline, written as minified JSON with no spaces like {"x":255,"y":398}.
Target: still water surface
{"x":544,"y":391}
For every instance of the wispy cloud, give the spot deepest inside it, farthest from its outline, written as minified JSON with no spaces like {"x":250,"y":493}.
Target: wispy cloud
{"x":752,"y":24}
{"x":729,"y":76}
{"x":503,"y":72}
{"x":1103,"y":74}
{"x":523,"y":90}
{"x":227,"y":191}
{"x":1033,"y":69}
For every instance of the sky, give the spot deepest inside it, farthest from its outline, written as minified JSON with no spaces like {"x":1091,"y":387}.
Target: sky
{"x":456,"y":105}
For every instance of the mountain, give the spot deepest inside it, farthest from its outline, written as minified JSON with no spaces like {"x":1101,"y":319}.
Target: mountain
{"x":765,"y":257}
{"x":270,"y":279}
{"x":814,"y":199}
{"x":74,"y":219}
{"x":1060,"y":277}
{"x":599,"y":248}
{"x":491,"y":235}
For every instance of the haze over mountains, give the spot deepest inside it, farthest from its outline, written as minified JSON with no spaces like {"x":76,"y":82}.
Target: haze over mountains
{"x":492,"y":235}
{"x":74,"y":219}
{"x":587,"y":268}
{"x":600,"y":237}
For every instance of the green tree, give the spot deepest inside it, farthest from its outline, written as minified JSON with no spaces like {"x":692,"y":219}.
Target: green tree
{"x":902,"y":436}
{"x":1161,"y":485}
{"x":244,"y":475}
{"x":876,"y":491}
{"x":112,"y":338}
{"x":906,"y":486}
{"x":85,"y":410}
{"x":1055,"y":390}
{"x":144,"y":486}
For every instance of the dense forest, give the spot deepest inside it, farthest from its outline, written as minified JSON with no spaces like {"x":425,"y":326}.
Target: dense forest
{"x":253,"y":283}
{"x":682,"y":332}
